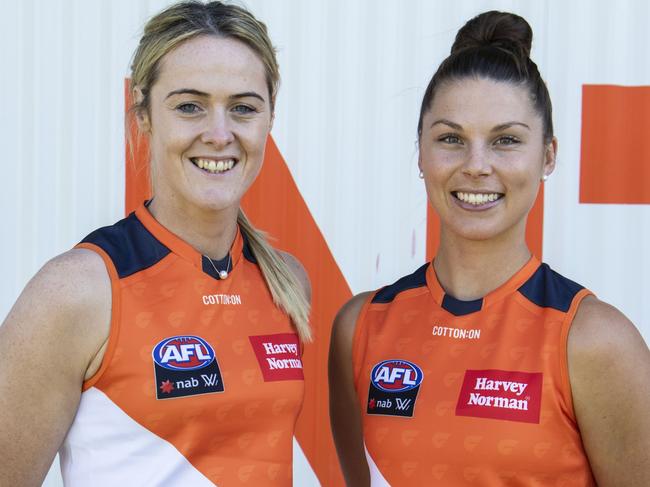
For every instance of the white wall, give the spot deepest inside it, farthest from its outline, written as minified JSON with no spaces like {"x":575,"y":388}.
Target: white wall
{"x":353,"y":76}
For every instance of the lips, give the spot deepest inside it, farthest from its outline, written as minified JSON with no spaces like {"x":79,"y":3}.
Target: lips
{"x":214,"y":166}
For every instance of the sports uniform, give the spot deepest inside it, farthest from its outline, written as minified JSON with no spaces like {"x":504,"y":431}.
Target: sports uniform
{"x":201,"y":381}
{"x":462,"y":393}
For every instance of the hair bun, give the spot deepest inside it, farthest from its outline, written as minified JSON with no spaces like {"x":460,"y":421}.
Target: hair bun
{"x":496,"y":29}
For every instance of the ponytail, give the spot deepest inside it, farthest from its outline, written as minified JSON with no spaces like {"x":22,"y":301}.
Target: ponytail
{"x":288,"y":294}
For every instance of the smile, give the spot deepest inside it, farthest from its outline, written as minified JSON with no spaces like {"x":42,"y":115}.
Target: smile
{"x":477,"y":199}
{"x":212,"y":166}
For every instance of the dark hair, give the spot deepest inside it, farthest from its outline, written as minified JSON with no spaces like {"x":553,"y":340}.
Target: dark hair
{"x":494,"y":45}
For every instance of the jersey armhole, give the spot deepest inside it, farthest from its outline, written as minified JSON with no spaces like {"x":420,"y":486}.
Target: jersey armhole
{"x":360,"y":340}
{"x":115,"y":308}
{"x":564,"y":352}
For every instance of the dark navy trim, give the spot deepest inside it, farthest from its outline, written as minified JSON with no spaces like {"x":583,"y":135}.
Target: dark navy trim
{"x":221,"y":264}
{"x":129,"y":244}
{"x":548,"y":289}
{"x":460,"y":308}
{"x":412,"y":281}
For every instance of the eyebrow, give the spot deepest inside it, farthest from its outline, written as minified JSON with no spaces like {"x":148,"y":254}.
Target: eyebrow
{"x":203,"y":94}
{"x":451,"y":124}
{"x":507,"y":125}
{"x":497,"y":128}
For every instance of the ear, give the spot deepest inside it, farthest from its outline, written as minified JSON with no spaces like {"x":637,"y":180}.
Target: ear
{"x":550,"y":156}
{"x":141,"y":115}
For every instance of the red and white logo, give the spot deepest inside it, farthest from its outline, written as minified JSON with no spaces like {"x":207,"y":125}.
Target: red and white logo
{"x":278,"y":356}
{"x":501,"y":394}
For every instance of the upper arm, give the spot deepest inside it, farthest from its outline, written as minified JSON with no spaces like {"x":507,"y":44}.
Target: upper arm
{"x":609,"y":369}
{"x":346,"y":422}
{"x":299,"y":271}
{"x":47,"y":342}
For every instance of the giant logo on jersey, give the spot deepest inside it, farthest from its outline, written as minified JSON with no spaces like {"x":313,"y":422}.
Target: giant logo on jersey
{"x":394,"y":387}
{"x":185,"y":365}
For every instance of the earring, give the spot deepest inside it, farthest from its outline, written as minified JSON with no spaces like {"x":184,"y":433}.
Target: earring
{"x":421,"y":175}
{"x":544,"y":177}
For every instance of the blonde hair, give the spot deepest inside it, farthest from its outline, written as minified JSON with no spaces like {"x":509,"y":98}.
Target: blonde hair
{"x":167,"y":30}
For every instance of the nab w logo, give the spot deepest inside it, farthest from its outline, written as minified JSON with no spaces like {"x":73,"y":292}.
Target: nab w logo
{"x":402,"y":404}
{"x":183,"y":353}
{"x":393,"y":390}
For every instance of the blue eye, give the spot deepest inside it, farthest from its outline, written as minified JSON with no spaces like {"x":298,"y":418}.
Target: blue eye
{"x":188,"y":108}
{"x":243,"y":109}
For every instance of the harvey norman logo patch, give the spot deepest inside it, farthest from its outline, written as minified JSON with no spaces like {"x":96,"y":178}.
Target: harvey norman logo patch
{"x":278,"y":356}
{"x":185,"y":365}
{"x":501,"y":394}
{"x":394,"y":387}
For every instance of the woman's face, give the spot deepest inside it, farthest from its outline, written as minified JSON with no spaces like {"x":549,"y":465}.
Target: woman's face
{"x":482,"y":154}
{"x":209,"y":117}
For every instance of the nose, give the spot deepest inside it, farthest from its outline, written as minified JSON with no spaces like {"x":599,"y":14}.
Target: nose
{"x":218,"y":130}
{"x":477,"y":162}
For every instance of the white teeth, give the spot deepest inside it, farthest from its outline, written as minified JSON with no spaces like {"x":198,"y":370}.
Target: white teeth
{"x":214,"y":166}
{"x":477,"y":198}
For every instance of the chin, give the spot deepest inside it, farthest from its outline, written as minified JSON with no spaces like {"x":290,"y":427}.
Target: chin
{"x":215,"y":202}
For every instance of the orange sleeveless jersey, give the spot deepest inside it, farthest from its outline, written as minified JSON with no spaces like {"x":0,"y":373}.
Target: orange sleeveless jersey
{"x":470,"y":393}
{"x":202,"y":380}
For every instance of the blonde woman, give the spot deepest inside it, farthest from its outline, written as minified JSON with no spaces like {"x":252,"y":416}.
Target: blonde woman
{"x":165,"y":349}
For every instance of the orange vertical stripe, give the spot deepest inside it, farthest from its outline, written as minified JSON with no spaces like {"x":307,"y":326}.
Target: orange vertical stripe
{"x":535,"y":225}
{"x":137,"y":182}
{"x":433,"y":233}
{"x":615,"y":146}
{"x":275,"y":204}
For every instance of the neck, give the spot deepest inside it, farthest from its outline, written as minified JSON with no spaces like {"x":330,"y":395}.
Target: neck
{"x":210,"y":232}
{"x":470,"y":269}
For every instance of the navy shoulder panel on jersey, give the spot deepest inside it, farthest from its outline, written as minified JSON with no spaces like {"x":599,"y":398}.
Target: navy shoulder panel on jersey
{"x":129,"y":244}
{"x":247,"y":251}
{"x":387,"y":293}
{"x":548,"y":289}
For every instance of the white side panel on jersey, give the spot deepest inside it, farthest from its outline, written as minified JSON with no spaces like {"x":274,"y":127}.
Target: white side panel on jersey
{"x":107,"y":448}
{"x":303,"y":474}
{"x":376,"y":477}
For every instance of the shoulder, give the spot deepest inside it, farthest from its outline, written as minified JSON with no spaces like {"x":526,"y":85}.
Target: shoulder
{"x":609,"y":372}
{"x":600,"y":331}
{"x":74,"y":279}
{"x":602,"y":342}
{"x":66,"y":303}
{"x":345,"y":322}
{"x":298,"y":270}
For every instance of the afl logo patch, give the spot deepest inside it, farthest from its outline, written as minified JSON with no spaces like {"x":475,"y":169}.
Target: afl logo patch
{"x":394,"y":387}
{"x":185,"y":352}
{"x":396,"y":376}
{"x":185,"y":365}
